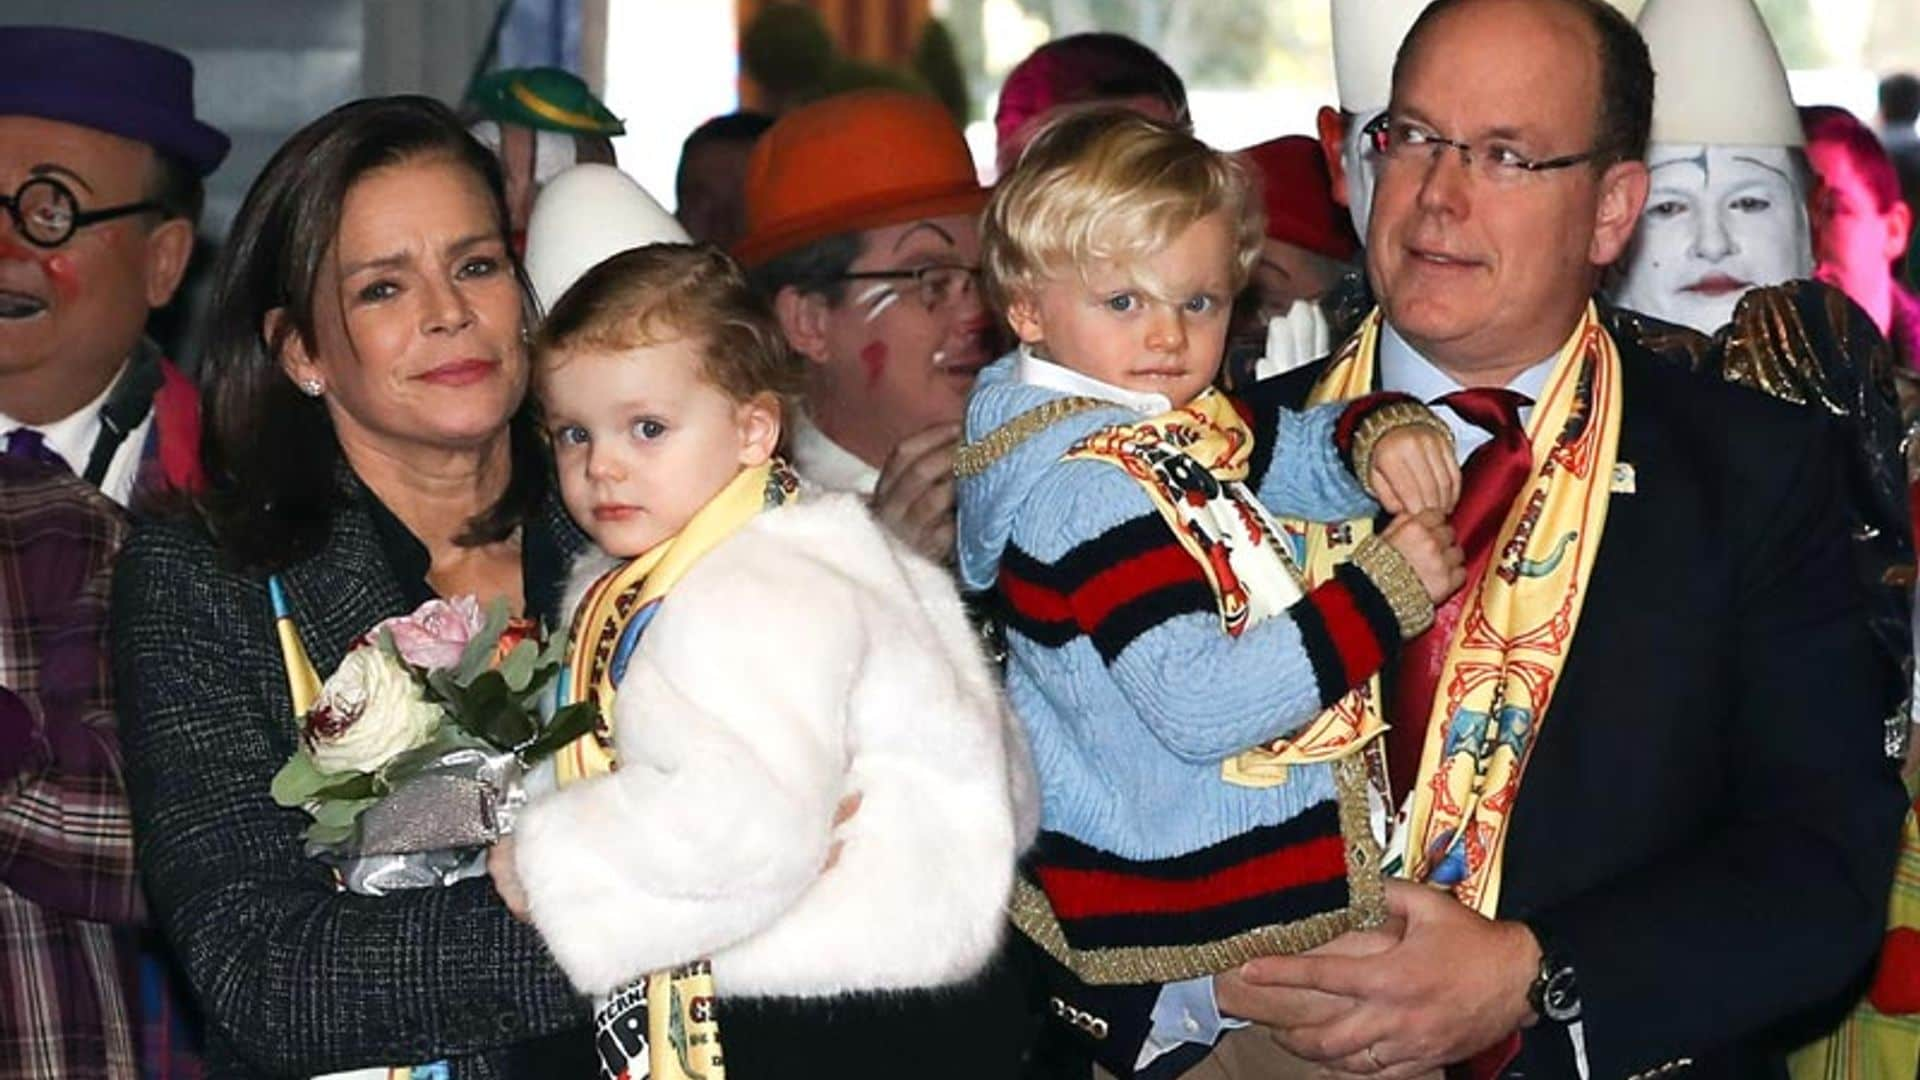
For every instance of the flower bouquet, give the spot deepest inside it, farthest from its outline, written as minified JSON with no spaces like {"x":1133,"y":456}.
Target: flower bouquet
{"x":413,"y":759}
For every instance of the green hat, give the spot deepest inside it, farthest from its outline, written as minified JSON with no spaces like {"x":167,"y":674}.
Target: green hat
{"x":546,"y":98}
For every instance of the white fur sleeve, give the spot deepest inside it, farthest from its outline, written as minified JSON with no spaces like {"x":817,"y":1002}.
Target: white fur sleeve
{"x":732,"y":759}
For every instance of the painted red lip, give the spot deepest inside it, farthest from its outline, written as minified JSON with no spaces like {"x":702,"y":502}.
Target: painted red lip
{"x":1718,"y":285}
{"x":461,"y":372}
{"x":614,"y":512}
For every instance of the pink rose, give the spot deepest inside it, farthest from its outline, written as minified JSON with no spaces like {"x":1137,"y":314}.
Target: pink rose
{"x":435,"y":635}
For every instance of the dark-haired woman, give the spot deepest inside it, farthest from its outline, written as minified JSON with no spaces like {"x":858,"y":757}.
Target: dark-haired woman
{"x":368,"y":447}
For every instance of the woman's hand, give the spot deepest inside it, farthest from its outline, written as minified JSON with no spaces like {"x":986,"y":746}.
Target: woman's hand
{"x":506,"y":880}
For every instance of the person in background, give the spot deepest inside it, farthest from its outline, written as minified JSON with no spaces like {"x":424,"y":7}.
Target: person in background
{"x":863,"y":233}
{"x":539,"y":121}
{"x":1899,"y":110}
{"x":1079,"y":69}
{"x":1861,"y":225}
{"x":101,"y":165}
{"x":1308,"y":250}
{"x":709,"y":188}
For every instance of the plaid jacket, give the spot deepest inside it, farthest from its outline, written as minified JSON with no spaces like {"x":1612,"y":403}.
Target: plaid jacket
{"x":296,"y":978}
{"x":67,"y":884}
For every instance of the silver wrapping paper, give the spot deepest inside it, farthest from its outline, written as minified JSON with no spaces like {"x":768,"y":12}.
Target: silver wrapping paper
{"x":434,"y":827}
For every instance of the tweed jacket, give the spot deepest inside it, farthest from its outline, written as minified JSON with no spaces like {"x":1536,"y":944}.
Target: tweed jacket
{"x":296,"y":978}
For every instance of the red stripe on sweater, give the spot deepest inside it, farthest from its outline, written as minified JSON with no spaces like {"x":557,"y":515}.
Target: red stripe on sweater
{"x":1349,"y":632}
{"x":1090,"y":894}
{"x":1127,"y":581}
{"x":1035,"y":602}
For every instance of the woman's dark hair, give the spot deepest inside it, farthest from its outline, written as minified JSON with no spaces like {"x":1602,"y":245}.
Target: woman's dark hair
{"x":271,"y":457}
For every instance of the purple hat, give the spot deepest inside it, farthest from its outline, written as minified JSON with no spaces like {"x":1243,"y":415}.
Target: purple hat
{"x":108,"y":83}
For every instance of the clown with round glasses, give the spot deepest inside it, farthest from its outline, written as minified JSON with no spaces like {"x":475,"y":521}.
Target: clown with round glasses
{"x":101,"y":163}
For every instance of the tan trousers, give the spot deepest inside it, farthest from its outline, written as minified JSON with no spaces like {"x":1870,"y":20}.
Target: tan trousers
{"x":1249,"y":1053}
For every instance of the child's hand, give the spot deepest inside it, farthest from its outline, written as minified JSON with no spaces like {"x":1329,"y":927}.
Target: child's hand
{"x":1426,"y":541}
{"x":506,"y":880}
{"x":842,"y":814}
{"x":1413,"y":470}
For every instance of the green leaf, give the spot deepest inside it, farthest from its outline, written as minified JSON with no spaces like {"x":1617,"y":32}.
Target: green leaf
{"x":298,"y":780}
{"x":517,"y":668}
{"x":333,"y":822}
{"x":567,"y":725}
{"x":490,"y":712}
{"x":349,"y":786}
{"x":555,"y":652}
{"x":479,"y":652}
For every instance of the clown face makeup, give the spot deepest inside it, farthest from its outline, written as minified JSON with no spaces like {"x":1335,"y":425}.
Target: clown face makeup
{"x":1362,"y":167}
{"x":1719,"y":221}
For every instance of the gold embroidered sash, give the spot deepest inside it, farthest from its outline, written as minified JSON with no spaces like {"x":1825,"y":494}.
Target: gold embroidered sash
{"x":1504,"y":664}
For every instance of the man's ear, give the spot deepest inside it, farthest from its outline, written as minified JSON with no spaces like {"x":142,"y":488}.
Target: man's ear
{"x":803,"y":319}
{"x":1623,"y":194}
{"x":1023,"y":315}
{"x":169,"y":247}
{"x":759,"y":423}
{"x":1333,"y":143}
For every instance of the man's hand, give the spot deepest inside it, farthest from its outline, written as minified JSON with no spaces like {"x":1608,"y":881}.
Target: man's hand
{"x":1455,"y":984}
{"x":506,"y":880}
{"x":1426,"y":541}
{"x":1413,"y":470}
{"x":914,"y":496}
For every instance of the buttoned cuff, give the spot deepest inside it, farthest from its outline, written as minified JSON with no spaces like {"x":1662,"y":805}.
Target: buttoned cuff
{"x":1185,"y":1012}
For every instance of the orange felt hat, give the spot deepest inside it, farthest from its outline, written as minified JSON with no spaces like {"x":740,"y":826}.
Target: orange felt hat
{"x":854,"y":161}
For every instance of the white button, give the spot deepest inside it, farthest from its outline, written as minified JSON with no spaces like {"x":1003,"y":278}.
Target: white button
{"x":1188,"y":1022}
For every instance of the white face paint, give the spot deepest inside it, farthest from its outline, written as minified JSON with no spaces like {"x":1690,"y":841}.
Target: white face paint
{"x":1719,"y":221}
{"x":1362,"y":168}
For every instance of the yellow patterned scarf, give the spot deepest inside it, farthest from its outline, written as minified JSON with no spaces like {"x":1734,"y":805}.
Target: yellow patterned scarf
{"x":1504,"y":663}
{"x":683,"y":1038}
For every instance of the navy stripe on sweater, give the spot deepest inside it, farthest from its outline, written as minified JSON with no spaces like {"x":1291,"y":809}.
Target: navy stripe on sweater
{"x":1121,"y":584}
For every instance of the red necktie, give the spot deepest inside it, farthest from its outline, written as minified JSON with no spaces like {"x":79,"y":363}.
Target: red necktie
{"x":1491,"y":478}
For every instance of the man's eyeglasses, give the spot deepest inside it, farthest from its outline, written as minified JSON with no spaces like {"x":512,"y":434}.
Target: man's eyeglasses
{"x":1406,"y":142}
{"x":45,"y":212}
{"x":934,"y":286}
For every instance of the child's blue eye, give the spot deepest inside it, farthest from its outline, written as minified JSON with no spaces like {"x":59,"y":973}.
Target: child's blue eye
{"x":1200,"y":305}
{"x":570,"y":435}
{"x":648,"y":429}
{"x":1122,"y":302}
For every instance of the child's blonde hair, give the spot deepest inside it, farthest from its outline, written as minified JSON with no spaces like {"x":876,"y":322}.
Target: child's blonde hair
{"x":1105,"y":183}
{"x":672,"y":292}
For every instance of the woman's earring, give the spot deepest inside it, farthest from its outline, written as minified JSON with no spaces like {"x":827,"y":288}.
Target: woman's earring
{"x":311,"y":387}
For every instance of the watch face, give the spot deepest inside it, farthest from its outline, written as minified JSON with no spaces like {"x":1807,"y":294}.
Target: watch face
{"x":1560,"y":998}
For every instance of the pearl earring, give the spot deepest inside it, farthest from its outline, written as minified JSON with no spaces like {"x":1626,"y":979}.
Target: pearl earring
{"x":311,"y":387}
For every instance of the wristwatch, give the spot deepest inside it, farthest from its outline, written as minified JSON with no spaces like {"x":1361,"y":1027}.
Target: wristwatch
{"x":1555,"y":994}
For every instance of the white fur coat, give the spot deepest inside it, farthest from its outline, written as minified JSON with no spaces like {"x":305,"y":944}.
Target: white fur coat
{"x":808,"y":657}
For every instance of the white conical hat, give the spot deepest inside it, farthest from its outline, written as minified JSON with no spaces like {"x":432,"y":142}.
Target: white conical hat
{"x":587,"y":214}
{"x":1718,"y":77}
{"x":1366,"y":37}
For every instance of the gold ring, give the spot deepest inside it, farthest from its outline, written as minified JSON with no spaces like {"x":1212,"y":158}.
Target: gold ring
{"x":1375,"y":1058}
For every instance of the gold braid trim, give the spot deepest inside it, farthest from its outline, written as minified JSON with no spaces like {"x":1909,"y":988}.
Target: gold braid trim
{"x":1386,"y":418}
{"x":1395,"y":578}
{"x":1366,"y":908}
{"x":977,"y":457}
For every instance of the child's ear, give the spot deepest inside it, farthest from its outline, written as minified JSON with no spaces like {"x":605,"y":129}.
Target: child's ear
{"x":803,"y":319}
{"x":759,"y":423}
{"x":1023,"y":314}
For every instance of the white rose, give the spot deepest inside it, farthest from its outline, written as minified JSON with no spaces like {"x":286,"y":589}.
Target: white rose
{"x":369,"y":711}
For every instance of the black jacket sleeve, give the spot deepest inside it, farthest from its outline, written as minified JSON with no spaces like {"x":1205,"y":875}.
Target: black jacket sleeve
{"x":294,"y":977}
